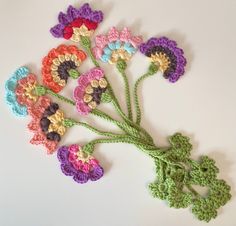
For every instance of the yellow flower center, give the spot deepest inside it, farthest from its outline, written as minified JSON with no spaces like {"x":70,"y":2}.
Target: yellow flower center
{"x":80,"y":31}
{"x":56,"y":124}
{"x":30,"y":92}
{"x":162,"y":60}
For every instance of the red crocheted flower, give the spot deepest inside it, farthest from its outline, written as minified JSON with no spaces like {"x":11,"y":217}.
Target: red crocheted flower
{"x":60,"y":64}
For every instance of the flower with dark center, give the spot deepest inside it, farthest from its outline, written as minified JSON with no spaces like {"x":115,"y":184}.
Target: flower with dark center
{"x":166,"y":55}
{"x":88,"y":93}
{"x":60,"y":64}
{"x":47,"y":124}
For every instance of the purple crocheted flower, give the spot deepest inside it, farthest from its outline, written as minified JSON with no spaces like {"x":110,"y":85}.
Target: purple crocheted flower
{"x":165,"y":53}
{"x":77,"y":22}
{"x":78,"y":164}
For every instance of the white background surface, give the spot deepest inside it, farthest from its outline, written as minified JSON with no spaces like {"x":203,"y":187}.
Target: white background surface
{"x":34,"y":192}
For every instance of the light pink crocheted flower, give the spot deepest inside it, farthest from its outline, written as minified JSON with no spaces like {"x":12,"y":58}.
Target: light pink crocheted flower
{"x":88,"y":93}
{"x":116,"y":45}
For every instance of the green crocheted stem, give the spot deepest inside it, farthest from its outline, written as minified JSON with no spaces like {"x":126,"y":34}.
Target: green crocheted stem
{"x":121,"y":66}
{"x":151,"y":71}
{"x":86,"y":43}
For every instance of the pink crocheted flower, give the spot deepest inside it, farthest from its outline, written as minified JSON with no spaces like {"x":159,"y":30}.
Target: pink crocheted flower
{"x":88,"y":93}
{"x":116,"y":45}
{"x":80,"y":165}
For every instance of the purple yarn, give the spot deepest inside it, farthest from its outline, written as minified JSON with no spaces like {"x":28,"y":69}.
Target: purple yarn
{"x":84,"y":12}
{"x":96,"y":174}
{"x":78,"y":175}
{"x":168,"y":47}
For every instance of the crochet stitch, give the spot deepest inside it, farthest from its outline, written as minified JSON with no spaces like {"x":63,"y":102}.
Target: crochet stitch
{"x":176,"y":173}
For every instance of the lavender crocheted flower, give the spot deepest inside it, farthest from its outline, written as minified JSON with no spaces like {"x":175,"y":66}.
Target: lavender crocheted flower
{"x":77,"y":22}
{"x":165,"y":53}
{"x":78,"y":164}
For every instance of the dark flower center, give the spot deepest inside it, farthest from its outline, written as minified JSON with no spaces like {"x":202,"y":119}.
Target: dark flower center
{"x":169,"y":54}
{"x":97,"y":94}
{"x":63,"y":69}
{"x":45,"y":122}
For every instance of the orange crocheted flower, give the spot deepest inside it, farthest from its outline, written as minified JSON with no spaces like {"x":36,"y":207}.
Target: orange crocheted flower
{"x":60,"y":64}
{"x":47,"y":124}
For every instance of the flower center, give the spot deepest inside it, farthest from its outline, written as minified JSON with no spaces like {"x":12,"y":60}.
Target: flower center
{"x":30,"y":92}
{"x":162,"y":60}
{"x":56,"y":123}
{"x":94,"y":91}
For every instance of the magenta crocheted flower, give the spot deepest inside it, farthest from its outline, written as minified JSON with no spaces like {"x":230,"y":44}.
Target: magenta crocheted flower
{"x":88,"y":93}
{"x":116,"y":45}
{"x":77,"y":22}
{"x":165,"y":53}
{"x":78,"y":164}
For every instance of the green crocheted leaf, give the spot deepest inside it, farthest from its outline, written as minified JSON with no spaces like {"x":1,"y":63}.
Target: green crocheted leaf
{"x":180,"y":147}
{"x":204,"y":172}
{"x":219,"y":193}
{"x":179,"y":199}
{"x":203,"y":209}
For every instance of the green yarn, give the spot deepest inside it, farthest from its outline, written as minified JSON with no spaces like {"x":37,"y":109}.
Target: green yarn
{"x":121,"y":66}
{"x":74,"y":73}
{"x":153,"y":68}
{"x":204,"y":172}
{"x":176,"y":172}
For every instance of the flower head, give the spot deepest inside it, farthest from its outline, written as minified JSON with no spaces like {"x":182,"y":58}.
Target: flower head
{"x":60,"y":64}
{"x":20,"y":91}
{"x":80,"y":165}
{"x":47,"y":124}
{"x":165,"y":53}
{"x":116,"y":45}
{"x":88,"y":93}
{"x":77,"y":22}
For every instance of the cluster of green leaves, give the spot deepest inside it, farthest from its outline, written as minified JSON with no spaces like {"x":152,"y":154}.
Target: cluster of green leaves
{"x":177,"y":173}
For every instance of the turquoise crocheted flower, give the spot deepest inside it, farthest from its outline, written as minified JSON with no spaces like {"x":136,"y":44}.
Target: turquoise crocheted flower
{"x":219,"y":193}
{"x":180,"y":147}
{"x":204,"y":209}
{"x":203,"y":173}
{"x":10,"y":86}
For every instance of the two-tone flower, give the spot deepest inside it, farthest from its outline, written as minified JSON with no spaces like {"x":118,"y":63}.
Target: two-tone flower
{"x":166,"y":55}
{"x":47,"y":124}
{"x":60,"y":64}
{"x":20,"y":91}
{"x":78,"y":164}
{"x":116,"y":45}
{"x":77,"y":22}
{"x":88,"y":93}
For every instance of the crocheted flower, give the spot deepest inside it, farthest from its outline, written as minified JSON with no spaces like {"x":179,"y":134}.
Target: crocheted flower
{"x":180,"y":146}
{"x":78,"y":164}
{"x":47,"y":124}
{"x":116,"y":45}
{"x":77,"y":22}
{"x":88,"y":93}
{"x":60,"y":64}
{"x":204,"y":209}
{"x":165,"y":53}
{"x":20,"y":91}
{"x":205,"y":172}
{"x":219,"y":193}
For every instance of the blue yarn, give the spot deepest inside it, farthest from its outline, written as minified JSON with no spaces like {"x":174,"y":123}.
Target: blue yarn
{"x":10,"y":86}
{"x":129,"y":48}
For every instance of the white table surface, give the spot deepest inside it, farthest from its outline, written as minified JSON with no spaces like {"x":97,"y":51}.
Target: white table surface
{"x":202,"y":105}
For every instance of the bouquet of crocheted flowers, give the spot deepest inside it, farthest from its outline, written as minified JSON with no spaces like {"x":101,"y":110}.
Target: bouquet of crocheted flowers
{"x":176,"y":172}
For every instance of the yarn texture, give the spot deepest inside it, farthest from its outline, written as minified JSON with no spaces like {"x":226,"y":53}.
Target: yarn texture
{"x":176,"y":174}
